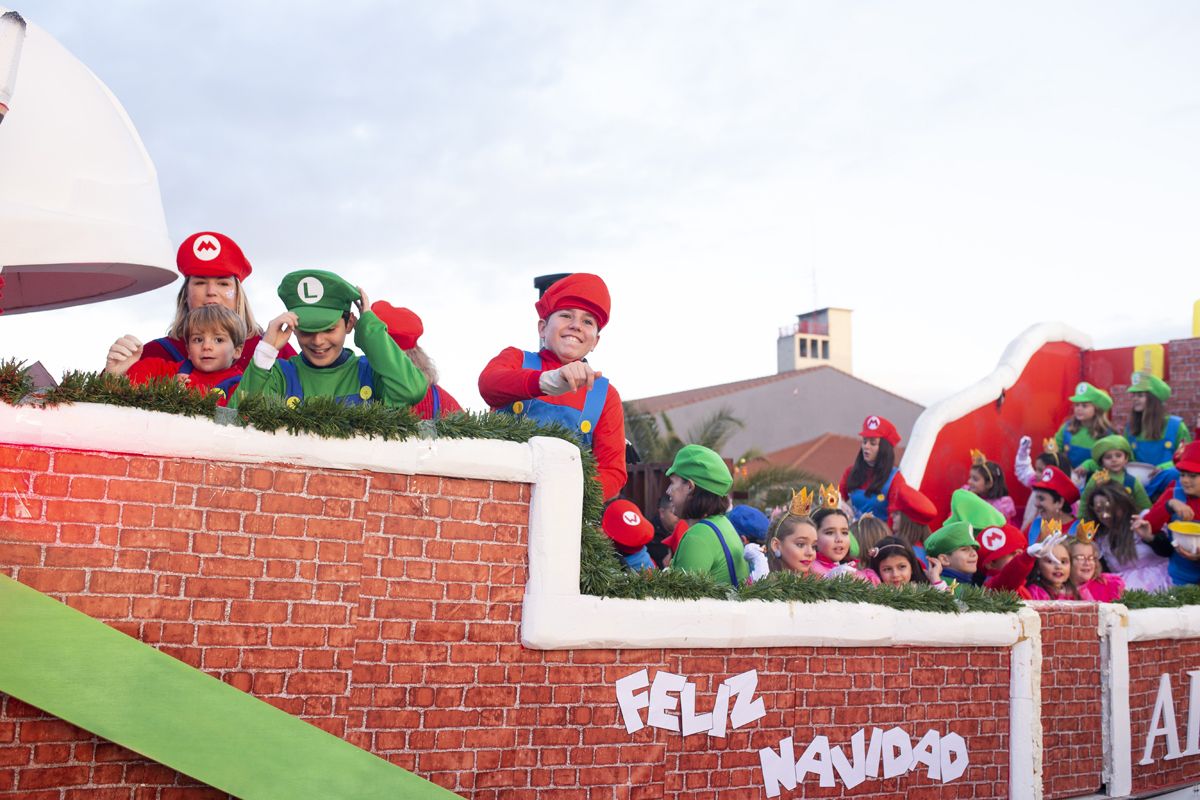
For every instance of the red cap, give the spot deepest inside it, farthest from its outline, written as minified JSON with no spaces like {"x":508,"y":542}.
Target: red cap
{"x":626,"y":525}
{"x":916,"y":506}
{"x":879,"y":428}
{"x":211,"y":255}
{"x":403,"y":325}
{"x":676,"y":536}
{"x":1189,"y":459}
{"x":579,"y":290}
{"x":998,"y":541}
{"x":1056,"y":480}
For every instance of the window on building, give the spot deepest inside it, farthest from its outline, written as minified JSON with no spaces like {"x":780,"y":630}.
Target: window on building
{"x":825,"y":350}
{"x":803,"y":345}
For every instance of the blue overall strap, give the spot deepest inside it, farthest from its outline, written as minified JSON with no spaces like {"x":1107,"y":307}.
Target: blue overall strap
{"x":227,"y":386}
{"x":528,"y":361}
{"x":169,"y":346}
{"x":436,"y":394}
{"x":1180,"y":495}
{"x":1066,"y":437}
{"x":292,"y":390}
{"x":366,"y":379}
{"x":1129,"y":482}
{"x":728,"y":555}
{"x":1035,"y":530}
{"x":185,"y":368}
{"x":593,"y":405}
{"x":531,"y":361}
{"x":1171,"y":434}
{"x":887,"y":485}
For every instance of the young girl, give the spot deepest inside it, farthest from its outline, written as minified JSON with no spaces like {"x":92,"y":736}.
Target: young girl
{"x":1140,"y":560}
{"x":1052,"y":578}
{"x":793,"y":545}
{"x":1088,"y":423}
{"x":1154,"y":434}
{"x":833,"y":539}
{"x":1027,"y":472}
{"x":986,"y":479}
{"x":1180,"y":501}
{"x":868,"y":531}
{"x":1112,"y":454}
{"x":895,"y":564}
{"x":873,"y":484}
{"x":1088,"y":577}
{"x":699,"y":484}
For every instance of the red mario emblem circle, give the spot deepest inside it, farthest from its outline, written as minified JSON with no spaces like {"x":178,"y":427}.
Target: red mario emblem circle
{"x":206,"y":247}
{"x":992,"y":539}
{"x":1047,"y":474}
{"x":872,"y":423}
{"x":631,"y":519}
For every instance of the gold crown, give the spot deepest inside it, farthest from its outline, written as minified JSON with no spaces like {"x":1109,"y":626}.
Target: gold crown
{"x":1101,"y":476}
{"x":830,"y":496}
{"x":1086,"y":532}
{"x":802,"y":501}
{"x":978,"y":458}
{"x":1051,"y":527}
{"x":1050,"y":446}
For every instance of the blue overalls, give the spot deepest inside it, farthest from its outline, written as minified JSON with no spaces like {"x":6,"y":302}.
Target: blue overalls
{"x":224,"y":388}
{"x":1182,"y":571}
{"x":582,"y":421}
{"x":1076,"y":454}
{"x":171,"y":349}
{"x":1160,"y":451}
{"x":876,"y":506}
{"x":294,"y":391}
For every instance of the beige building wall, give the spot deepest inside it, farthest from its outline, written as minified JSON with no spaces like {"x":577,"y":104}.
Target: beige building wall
{"x":818,"y":338}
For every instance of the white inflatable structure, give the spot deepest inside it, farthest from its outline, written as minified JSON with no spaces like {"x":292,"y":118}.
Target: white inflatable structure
{"x":81,"y":217}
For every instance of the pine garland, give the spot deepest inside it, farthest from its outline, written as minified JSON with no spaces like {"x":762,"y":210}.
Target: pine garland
{"x":601,"y":572}
{"x":1176,"y":596}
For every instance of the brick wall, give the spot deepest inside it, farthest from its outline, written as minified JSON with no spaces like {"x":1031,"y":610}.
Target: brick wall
{"x":386,"y":609}
{"x":1148,"y":661}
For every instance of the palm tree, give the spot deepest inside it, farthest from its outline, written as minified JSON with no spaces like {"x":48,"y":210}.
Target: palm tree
{"x":657,"y":441}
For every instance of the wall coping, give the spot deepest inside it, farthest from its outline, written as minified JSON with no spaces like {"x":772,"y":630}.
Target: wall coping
{"x":1147,"y":624}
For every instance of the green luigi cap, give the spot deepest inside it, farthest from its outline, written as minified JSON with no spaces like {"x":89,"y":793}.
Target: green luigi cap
{"x":318,"y":298}
{"x":1149,"y":382}
{"x":1112,"y":442}
{"x":1086,"y":393}
{"x":702,"y":467}
{"x":966,"y":506}
{"x":950,"y":537}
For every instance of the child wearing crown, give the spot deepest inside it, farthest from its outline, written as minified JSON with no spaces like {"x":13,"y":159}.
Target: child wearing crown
{"x":833,"y":539}
{"x":793,"y":543}
{"x":986,"y":479}
{"x":1088,"y":577}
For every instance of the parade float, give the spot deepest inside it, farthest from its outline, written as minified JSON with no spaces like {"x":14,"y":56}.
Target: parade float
{"x":345,"y":603}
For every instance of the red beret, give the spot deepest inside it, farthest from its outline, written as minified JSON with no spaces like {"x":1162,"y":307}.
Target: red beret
{"x":403,"y":325}
{"x":998,"y":541}
{"x":578,"y":290}
{"x":1189,"y":458}
{"x":211,"y":255}
{"x":626,"y":525}
{"x":916,"y":506}
{"x":879,"y":428}
{"x":1056,"y":480}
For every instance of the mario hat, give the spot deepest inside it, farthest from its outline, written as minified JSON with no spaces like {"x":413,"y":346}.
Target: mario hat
{"x":966,"y":506}
{"x":749,"y":522}
{"x":997,"y":541}
{"x":916,"y":506}
{"x":948,"y":538}
{"x":1149,"y":382}
{"x":318,"y":298}
{"x":1189,"y":459}
{"x":1113,"y":441}
{"x":1059,"y":482}
{"x":1086,"y":393}
{"x":879,"y":428}
{"x":209,"y":254}
{"x":703,"y":467}
{"x":578,"y":290}
{"x":625,"y":524}
{"x":403,"y":325}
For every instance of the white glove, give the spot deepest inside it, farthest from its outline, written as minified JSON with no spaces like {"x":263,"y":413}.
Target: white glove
{"x":553,"y":383}
{"x":123,"y":354}
{"x":757,"y":560}
{"x":842,"y":569}
{"x":1023,"y":447}
{"x":1045,"y":548}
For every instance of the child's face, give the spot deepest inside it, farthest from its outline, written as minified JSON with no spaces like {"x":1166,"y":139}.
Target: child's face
{"x":895,"y":570}
{"x":211,"y":350}
{"x":870,"y":448}
{"x":798,"y":548}
{"x":1085,"y":412}
{"x":1056,"y":574}
{"x":207,"y":291}
{"x":976,"y":482}
{"x":1190,"y":482}
{"x":1083,"y":563}
{"x":833,"y":538}
{"x":1102,"y":510}
{"x":1046,"y":504}
{"x":667,"y":517}
{"x":570,"y":333}
{"x":1114,"y":460}
{"x":963,"y":559}
{"x":323,"y":347}
{"x":678,"y":491}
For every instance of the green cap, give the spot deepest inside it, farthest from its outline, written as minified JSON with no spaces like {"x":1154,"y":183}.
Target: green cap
{"x":1111,"y":442}
{"x":318,"y":298}
{"x":1086,"y":393}
{"x":854,"y":547}
{"x":1149,"y":382}
{"x":950,"y":537}
{"x":966,"y":506}
{"x":702,"y":467}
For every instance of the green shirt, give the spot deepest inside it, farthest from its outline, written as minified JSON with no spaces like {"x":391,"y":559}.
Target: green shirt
{"x":397,"y":380}
{"x":699,"y":551}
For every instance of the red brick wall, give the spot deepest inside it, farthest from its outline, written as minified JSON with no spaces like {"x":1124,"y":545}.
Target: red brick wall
{"x":1073,"y":758}
{"x":386,"y":609}
{"x":1147,"y":663}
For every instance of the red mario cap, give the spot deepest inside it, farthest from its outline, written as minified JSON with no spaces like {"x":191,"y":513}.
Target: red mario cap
{"x":879,"y":428}
{"x":625,"y":524}
{"x":403,"y":325}
{"x":916,"y":506}
{"x":211,"y":255}
{"x":578,"y":290}
{"x":1056,"y":480}
{"x":1189,"y":458}
{"x":998,"y":541}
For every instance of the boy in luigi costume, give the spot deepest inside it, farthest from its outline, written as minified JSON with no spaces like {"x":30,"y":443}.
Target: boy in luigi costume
{"x":700,"y":483}
{"x":319,"y":313}
{"x":1112,"y":453}
{"x":954,"y":549}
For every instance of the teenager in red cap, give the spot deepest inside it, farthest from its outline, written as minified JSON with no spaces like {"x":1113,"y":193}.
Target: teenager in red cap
{"x":1053,"y":495}
{"x":405,"y":328}
{"x":556,"y":384}
{"x":874,"y":484}
{"x":213,"y":269}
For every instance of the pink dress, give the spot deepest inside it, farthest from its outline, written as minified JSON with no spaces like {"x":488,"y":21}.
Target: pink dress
{"x":822,"y":567}
{"x":1106,"y":588}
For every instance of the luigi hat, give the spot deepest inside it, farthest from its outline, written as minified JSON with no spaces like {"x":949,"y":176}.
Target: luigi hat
{"x":1113,"y":441}
{"x":1149,"y":382}
{"x":966,"y":506}
{"x":317,"y":298}
{"x":703,"y":467}
{"x":1086,"y":393}
{"x":950,"y":537}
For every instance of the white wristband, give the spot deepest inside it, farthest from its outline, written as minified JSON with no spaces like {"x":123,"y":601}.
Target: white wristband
{"x":265,"y":355}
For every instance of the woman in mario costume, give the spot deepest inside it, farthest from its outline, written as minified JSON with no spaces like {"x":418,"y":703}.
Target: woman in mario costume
{"x":213,"y":269}
{"x":874,"y":485}
{"x":556,"y":384}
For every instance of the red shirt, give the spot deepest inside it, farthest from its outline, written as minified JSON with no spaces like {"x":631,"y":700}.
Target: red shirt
{"x":424,"y":409}
{"x":147,"y":369}
{"x":503,"y":381}
{"x":155,"y":350}
{"x":1159,"y":515}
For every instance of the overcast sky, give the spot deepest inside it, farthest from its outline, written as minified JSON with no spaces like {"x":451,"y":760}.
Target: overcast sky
{"x":953,"y":172}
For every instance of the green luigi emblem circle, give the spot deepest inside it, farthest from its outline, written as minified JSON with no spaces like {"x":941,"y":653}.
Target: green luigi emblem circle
{"x":310,"y":290}
{"x":1082,"y":388}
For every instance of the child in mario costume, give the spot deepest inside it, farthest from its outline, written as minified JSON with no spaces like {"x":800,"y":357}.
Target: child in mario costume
{"x":556,"y":384}
{"x":1053,"y":496}
{"x":873,"y":485}
{"x":319,"y":304}
{"x":625,"y":524}
{"x":1180,"y":502}
{"x":405,"y":328}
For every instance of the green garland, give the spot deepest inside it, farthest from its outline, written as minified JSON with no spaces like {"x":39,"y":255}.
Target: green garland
{"x":601,"y":572}
{"x":1176,"y":596}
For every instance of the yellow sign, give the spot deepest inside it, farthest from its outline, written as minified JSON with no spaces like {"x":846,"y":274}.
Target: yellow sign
{"x":1148,"y":358}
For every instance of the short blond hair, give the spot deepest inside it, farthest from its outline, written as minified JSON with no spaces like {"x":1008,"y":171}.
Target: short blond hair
{"x":215,"y":318}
